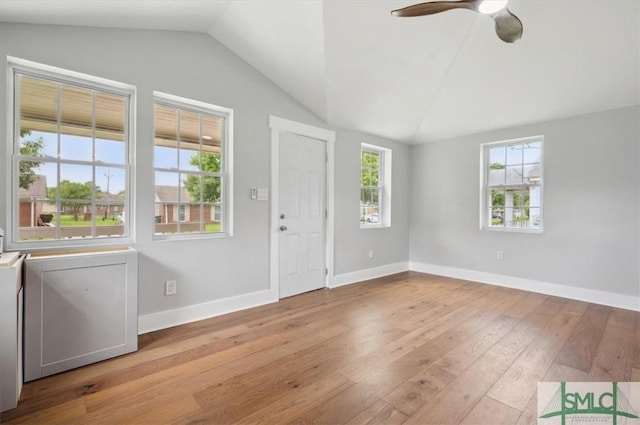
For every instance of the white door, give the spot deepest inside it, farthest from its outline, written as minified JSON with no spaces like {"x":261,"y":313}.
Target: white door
{"x":301,"y":214}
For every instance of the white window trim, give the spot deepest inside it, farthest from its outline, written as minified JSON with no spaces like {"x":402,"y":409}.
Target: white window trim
{"x":227,"y":189}
{"x":385,"y":171}
{"x":17,"y":65}
{"x":484,"y":187}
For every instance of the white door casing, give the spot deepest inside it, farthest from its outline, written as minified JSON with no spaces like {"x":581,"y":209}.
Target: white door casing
{"x":282,"y":273}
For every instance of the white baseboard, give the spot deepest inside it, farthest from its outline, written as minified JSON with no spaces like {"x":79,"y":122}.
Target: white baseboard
{"x":611,"y":299}
{"x":366,"y":274}
{"x":169,"y":318}
{"x":179,"y":316}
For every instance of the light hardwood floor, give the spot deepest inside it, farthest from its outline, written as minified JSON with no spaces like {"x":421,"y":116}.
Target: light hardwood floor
{"x":405,"y":349}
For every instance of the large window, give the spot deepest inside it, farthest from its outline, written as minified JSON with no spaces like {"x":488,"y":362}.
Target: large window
{"x":70,"y":162}
{"x":512,"y":189}
{"x":192,"y":160}
{"x":375,"y":186}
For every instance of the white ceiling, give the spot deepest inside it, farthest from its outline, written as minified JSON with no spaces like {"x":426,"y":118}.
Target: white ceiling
{"x":413,"y":80}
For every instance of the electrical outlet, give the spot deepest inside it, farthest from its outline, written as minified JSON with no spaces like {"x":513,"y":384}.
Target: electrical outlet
{"x":499,"y":255}
{"x":371,"y":253}
{"x":170,"y":287}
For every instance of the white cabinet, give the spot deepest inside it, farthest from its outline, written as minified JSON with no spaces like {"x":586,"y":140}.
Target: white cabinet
{"x":10,"y":329}
{"x":80,"y":308}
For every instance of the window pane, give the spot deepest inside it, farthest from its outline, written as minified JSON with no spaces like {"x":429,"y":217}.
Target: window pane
{"x":497,"y":216}
{"x":365,"y":196}
{"x":76,"y":181}
{"x":110,"y":128}
{"x":497,"y":177}
{"x":110,"y":151}
{"x":165,"y":157}
{"x":497,"y":198}
{"x":75,"y":219}
{"x":374,"y":178}
{"x":110,"y":184}
{"x":535,"y":196}
{"x":532,"y":152}
{"x":33,"y":200}
{"x":189,"y":158}
{"x":76,"y":147}
{"x":535,"y":220}
{"x":514,"y":175}
{"x":76,"y":123}
{"x":166,"y":137}
{"x":514,"y":154}
{"x":38,"y":102}
{"x":36,"y":220}
{"x":35,"y":144}
{"x":212,"y":189}
{"x":532,"y":173}
{"x":110,"y":116}
{"x":365,"y":177}
{"x":497,"y":157}
{"x":520,"y":198}
{"x":375,"y":196}
{"x":211,"y":162}
{"x":166,"y":196}
{"x":212,"y":218}
{"x":212,"y":137}
{"x":372,"y":215}
{"x":191,"y":188}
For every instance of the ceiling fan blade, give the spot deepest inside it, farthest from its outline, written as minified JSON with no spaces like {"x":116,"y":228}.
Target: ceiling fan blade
{"x":508,"y":26}
{"x":430,"y":8}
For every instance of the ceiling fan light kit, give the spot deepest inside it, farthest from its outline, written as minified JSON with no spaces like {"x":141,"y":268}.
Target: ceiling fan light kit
{"x":489,"y":7}
{"x":508,"y":26}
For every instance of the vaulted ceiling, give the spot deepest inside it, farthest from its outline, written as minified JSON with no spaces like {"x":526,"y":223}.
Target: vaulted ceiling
{"x":414,"y":80}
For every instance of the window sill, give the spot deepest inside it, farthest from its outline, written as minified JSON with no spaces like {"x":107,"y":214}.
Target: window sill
{"x":512,"y":230}
{"x":374,"y":226}
{"x":191,"y":236}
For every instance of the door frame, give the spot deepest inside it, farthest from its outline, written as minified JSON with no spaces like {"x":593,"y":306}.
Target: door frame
{"x":278,"y":125}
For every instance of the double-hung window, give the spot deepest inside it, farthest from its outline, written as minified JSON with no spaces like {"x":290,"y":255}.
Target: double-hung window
{"x":70,"y":157}
{"x":375,"y":186}
{"x":511,"y":195}
{"x":192,"y":162}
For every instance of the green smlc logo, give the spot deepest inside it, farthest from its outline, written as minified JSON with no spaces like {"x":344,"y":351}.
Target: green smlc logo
{"x":614,"y":404}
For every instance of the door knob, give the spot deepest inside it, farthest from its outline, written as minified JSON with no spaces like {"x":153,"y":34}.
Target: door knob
{"x":283,"y":228}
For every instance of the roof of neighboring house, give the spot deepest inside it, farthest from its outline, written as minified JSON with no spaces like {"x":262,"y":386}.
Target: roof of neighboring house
{"x":169,"y":194}
{"x":111,"y":197}
{"x":514,"y":175}
{"x":38,"y":188}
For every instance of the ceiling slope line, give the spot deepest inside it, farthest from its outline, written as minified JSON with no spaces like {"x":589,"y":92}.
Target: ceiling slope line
{"x":443,"y":81}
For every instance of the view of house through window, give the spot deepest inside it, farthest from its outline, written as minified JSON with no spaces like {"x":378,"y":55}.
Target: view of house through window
{"x":190,"y":168}
{"x":71,"y":158}
{"x":513,"y":188}
{"x":375,"y":173}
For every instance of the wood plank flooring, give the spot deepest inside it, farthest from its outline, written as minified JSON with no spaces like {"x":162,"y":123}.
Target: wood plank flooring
{"x":404,"y":349}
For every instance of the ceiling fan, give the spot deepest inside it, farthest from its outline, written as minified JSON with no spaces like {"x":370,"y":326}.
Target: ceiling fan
{"x":508,"y":26}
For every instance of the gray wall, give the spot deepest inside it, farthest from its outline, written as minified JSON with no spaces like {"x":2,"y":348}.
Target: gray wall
{"x":197,"y":66}
{"x":591,"y":205}
{"x":389,"y":244}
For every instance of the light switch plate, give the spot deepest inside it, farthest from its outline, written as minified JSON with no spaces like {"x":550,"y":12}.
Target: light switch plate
{"x":263,"y":194}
